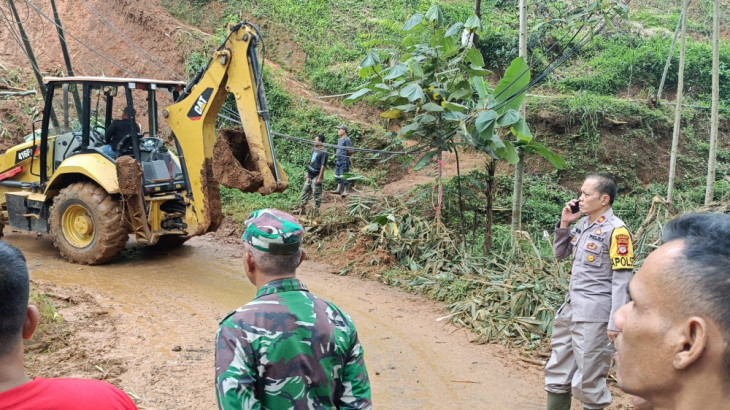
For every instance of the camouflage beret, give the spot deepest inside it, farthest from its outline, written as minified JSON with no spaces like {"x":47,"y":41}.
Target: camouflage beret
{"x":273,"y":231}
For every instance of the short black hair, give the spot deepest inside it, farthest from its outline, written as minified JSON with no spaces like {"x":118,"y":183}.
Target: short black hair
{"x":703,"y":270}
{"x":14,"y":291}
{"x":320,"y":137}
{"x":606,"y":185}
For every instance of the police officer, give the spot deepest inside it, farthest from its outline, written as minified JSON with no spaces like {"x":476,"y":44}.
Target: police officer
{"x":287,"y":348}
{"x":583,"y":331}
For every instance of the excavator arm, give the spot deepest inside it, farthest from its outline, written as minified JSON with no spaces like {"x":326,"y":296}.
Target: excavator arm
{"x":238,"y":159}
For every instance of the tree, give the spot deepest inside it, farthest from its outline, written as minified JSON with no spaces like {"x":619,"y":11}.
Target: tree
{"x":520,"y":166}
{"x":714,"y":119}
{"x":678,"y":108}
{"x":435,"y":84}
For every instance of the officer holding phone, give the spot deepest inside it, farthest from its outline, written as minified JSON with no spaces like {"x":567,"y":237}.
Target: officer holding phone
{"x":603,"y":262}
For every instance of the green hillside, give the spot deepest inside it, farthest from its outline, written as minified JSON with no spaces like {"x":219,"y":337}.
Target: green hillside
{"x":596,"y":110}
{"x":323,"y":41}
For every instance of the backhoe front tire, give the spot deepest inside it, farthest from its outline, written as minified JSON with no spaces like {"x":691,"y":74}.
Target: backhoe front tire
{"x":87,"y":224}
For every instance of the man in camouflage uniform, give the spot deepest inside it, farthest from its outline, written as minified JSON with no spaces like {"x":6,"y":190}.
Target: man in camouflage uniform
{"x":603,"y":260}
{"x":287,"y":348}
{"x":313,"y":175}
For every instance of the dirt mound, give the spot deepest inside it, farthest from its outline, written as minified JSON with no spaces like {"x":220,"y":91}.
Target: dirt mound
{"x":80,"y":347}
{"x":233,"y":166}
{"x":120,"y":31}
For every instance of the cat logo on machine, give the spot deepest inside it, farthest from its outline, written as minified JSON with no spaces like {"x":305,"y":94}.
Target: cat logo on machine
{"x":25,"y":153}
{"x":196,"y":111}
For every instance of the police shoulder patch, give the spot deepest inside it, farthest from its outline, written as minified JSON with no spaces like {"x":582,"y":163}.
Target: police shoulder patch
{"x":621,"y":251}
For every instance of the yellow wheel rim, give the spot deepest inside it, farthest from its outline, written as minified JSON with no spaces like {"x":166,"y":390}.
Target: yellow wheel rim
{"x":77,"y":226}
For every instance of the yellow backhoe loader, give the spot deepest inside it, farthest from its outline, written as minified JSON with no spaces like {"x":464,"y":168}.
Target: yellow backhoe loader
{"x":90,"y":190}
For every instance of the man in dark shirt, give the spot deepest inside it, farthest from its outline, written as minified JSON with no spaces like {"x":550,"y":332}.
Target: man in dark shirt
{"x":117,"y":130}
{"x":313,"y":175}
{"x":342,"y":161}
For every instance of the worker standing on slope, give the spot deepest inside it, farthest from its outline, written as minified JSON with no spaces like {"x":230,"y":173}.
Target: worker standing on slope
{"x":342,"y":161}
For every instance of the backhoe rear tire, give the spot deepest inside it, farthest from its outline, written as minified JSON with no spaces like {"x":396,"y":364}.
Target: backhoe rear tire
{"x":87,"y":224}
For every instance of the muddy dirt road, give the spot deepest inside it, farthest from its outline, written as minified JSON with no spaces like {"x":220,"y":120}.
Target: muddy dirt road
{"x":150,"y":321}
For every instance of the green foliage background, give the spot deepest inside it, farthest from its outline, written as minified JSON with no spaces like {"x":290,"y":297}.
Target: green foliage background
{"x":580,"y":113}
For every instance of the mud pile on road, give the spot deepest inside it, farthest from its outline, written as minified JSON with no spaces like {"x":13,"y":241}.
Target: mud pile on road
{"x":80,"y":346}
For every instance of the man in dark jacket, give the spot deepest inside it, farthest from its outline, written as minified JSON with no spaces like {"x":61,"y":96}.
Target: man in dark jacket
{"x":342,"y":161}
{"x":313,"y":175}
{"x":117,"y":130}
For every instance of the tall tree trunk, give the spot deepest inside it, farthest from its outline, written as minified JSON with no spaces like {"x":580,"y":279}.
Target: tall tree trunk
{"x":439,"y":181}
{"x":678,"y":109}
{"x":709,"y":192}
{"x":520,"y":167}
{"x":489,"y":192}
{"x":669,"y":59}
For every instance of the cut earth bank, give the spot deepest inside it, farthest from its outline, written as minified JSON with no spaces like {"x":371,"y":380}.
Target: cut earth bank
{"x":147,"y":322}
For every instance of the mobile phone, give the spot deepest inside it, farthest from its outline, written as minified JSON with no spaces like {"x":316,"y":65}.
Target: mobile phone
{"x":575,"y":208}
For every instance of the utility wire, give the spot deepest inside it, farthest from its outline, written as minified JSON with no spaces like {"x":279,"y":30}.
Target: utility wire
{"x":15,"y":35}
{"x":573,"y":50}
{"x":527,"y":70}
{"x":358,"y":149}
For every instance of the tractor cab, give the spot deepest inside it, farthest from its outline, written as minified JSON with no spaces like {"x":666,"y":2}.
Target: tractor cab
{"x":109,"y":118}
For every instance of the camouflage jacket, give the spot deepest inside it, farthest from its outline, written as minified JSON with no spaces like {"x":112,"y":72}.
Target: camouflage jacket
{"x":289,"y":349}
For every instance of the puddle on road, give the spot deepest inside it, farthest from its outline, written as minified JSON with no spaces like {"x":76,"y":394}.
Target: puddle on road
{"x":163,"y":289}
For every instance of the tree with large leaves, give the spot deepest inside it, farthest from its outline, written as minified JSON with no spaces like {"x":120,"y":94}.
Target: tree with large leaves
{"x":435,"y":84}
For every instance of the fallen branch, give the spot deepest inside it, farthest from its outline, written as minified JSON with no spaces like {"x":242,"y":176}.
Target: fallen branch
{"x":651,"y":216}
{"x":447,"y":316}
{"x":16,"y":93}
{"x":533,"y":361}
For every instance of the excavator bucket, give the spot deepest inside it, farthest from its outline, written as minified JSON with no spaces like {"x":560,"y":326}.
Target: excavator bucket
{"x":233,"y":165}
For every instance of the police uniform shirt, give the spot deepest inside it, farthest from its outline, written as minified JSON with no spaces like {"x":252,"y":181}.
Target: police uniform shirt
{"x":602,"y":267}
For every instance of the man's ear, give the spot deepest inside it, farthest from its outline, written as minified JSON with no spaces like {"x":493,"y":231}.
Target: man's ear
{"x":304,"y":256}
{"x":32,"y":316}
{"x":248,"y":261}
{"x":605,"y":199}
{"x":691,"y":342}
